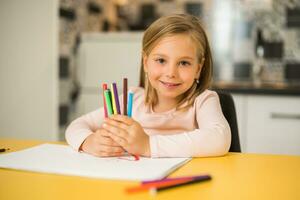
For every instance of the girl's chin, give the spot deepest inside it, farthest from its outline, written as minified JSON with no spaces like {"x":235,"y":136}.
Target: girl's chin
{"x":170,"y":94}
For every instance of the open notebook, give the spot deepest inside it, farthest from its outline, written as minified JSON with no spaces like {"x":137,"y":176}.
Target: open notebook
{"x":61,"y":159}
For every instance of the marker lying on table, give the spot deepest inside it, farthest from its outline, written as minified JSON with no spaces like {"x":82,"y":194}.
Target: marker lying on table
{"x":145,"y":187}
{"x":154,"y":190}
{"x":4,"y":149}
{"x":173,"y":179}
{"x":167,"y":183}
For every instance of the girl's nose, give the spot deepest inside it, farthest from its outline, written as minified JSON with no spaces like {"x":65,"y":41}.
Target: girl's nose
{"x":171,"y":71}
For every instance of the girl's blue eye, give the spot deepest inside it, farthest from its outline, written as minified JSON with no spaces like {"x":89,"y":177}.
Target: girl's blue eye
{"x":184,"y":63}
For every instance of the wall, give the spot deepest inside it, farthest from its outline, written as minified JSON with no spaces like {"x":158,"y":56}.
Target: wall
{"x":28,"y":69}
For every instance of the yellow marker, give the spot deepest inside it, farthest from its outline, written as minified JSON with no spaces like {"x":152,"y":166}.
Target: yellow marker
{"x":113,"y":99}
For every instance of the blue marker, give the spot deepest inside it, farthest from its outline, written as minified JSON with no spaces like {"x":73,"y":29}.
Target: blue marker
{"x":130,"y":101}
{"x":129,"y":114}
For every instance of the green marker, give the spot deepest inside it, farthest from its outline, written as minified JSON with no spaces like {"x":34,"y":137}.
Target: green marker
{"x":108,"y":102}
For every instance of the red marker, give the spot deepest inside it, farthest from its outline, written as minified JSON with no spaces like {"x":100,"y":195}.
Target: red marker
{"x":104,"y":87}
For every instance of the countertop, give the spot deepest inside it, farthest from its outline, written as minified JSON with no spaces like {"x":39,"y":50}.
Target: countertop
{"x":262,"y":88}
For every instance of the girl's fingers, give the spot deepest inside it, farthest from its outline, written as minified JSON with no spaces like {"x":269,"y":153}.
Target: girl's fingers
{"x":110,"y":149}
{"x":108,"y":141}
{"x":122,"y":118}
{"x":104,"y":150}
{"x":105,"y":154}
{"x":115,"y":130}
{"x":102,"y":132}
{"x":116,"y":123}
{"x":121,"y":141}
{"x":103,"y":138}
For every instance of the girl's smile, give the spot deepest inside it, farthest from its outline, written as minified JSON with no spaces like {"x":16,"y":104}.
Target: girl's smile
{"x":170,"y":85}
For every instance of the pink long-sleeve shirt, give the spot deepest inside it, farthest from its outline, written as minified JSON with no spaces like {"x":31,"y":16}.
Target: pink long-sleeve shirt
{"x":200,"y":131}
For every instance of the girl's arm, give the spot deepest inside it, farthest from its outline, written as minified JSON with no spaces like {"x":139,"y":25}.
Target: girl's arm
{"x":212,"y":138}
{"x":83,"y":126}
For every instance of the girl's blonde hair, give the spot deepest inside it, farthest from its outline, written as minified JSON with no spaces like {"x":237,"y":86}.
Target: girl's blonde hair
{"x":168,"y":26}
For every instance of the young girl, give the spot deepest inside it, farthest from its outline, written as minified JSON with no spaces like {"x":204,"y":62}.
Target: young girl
{"x":174,"y":114}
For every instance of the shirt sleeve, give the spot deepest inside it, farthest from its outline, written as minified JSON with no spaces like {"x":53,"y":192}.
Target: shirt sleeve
{"x":212,"y":138}
{"x":82,"y":127}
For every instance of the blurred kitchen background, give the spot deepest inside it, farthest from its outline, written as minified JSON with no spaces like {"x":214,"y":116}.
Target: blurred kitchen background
{"x":56,"y":53}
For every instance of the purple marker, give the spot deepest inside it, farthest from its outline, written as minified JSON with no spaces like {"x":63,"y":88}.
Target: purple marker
{"x":116,"y":98}
{"x":175,"y":179}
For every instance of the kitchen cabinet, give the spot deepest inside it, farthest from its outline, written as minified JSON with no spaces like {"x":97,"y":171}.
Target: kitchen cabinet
{"x":269,"y":123}
{"x":106,"y":58}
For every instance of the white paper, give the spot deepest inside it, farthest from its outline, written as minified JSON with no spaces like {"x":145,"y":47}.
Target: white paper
{"x":61,"y":159}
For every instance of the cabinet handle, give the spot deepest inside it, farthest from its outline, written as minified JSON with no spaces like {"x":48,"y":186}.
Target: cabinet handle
{"x":285,"y":116}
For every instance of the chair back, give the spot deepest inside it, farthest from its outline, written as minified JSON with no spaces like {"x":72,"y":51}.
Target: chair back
{"x":228,"y":108}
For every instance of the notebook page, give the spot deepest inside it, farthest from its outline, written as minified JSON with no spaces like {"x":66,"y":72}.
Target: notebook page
{"x":62,"y":159}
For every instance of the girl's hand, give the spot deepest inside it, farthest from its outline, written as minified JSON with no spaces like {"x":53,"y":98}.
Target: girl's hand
{"x":100,"y":144}
{"x":128,"y":133}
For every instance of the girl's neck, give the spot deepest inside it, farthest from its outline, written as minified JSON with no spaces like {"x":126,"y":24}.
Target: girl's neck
{"x":164,"y":105}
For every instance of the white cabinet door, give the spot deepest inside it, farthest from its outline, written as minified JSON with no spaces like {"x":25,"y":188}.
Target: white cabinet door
{"x":110,"y":57}
{"x":106,"y":58}
{"x":273,"y":125}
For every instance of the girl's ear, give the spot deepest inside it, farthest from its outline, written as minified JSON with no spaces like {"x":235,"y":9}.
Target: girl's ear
{"x":200,"y":66}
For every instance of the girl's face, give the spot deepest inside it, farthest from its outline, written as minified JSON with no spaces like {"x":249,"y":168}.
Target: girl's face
{"x":172,"y":66}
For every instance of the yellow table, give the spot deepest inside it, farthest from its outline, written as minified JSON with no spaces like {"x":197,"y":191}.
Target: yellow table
{"x":234,"y":176}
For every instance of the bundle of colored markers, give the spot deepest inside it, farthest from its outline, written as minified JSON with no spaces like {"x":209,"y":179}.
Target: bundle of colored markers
{"x":167,"y":183}
{"x":111,"y":100}
{"x":112,"y":104}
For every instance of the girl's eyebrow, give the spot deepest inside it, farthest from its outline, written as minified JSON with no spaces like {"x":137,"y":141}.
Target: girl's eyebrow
{"x":187,"y":57}
{"x":158,"y":54}
{"x":183,"y":57}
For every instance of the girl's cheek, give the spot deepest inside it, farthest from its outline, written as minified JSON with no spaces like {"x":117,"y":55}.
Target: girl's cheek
{"x":155,"y":69}
{"x":155,"y":74}
{"x":153,"y":64}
